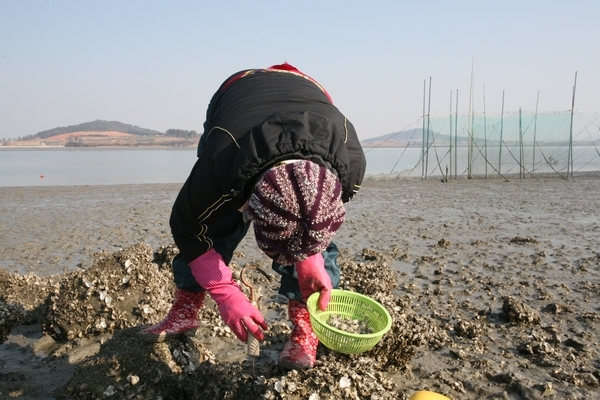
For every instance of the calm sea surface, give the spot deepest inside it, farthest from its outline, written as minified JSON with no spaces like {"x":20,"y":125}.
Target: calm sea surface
{"x":69,"y":166}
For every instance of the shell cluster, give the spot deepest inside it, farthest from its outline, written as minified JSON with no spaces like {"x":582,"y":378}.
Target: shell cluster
{"x":126,"y":290}
{"x":11,"y":315}
{"x":349,"y":325}
{"x":121,"y":290}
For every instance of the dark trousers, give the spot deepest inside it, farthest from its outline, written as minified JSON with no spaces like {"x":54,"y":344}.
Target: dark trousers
{"x":227,"y":233}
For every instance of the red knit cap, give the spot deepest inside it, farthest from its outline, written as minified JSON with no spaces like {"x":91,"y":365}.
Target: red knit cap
{"x":296,"y":208}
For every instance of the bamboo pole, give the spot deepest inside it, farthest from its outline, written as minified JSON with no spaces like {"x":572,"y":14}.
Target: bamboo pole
{"x":570,"y":156}
{"x":521,"y":156}
{"x":423,"y":135}
{"x":501,"y":133}
{"x":428,"y":129}
{"x":535,"y":131}
{"x":456,"y":139}
{"x":470,"y":125}
{"x":485,"y":134}
{"x":450,"y":141}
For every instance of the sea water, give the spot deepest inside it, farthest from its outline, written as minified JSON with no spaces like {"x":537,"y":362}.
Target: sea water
{"x":70,"y":166}
{"x":96,"y":166}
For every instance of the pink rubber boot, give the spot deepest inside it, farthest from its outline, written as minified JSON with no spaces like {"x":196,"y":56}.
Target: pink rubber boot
{"x":182,"y":318}
{"x":300,"y":351}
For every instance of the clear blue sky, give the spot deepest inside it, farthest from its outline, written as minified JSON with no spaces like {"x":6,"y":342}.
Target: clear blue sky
{"x":155,"y":64}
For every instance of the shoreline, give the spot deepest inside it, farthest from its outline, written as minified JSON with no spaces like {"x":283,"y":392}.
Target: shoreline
{"x":399,"y":176}
{"x":98,"y":147}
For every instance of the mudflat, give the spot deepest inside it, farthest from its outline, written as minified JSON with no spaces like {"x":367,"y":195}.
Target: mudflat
{"x":493,"y":286}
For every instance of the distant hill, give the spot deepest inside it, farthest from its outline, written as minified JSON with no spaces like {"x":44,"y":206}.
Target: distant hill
{"x":97,"y":126}
{"x":413,"y":135}
{"x":410,"y":137}
{"x":107,"y":134}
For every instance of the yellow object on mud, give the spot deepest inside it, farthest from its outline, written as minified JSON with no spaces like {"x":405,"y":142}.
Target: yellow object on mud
{"x":427,"y":395}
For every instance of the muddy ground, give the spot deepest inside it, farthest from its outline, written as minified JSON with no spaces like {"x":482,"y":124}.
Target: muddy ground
{"x":493,"y":287}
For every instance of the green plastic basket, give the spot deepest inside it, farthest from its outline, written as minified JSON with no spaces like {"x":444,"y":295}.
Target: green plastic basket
{"x":349,"y":305}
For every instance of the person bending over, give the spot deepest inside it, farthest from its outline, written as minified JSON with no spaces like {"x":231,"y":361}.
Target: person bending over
{"x":277,"y":154}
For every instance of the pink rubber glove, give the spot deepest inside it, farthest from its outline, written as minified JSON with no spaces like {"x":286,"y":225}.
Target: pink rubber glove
{"x":238,"y":313}
{"x":312,"y":278}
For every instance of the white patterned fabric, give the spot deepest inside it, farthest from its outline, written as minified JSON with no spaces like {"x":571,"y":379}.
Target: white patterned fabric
{"x":296,"y":208}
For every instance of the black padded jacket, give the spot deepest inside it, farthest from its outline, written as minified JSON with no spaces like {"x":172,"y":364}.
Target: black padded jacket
{"x":256,"y":119}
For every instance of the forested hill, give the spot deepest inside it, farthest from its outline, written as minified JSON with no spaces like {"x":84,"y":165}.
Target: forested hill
{"x":98,"y":126}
